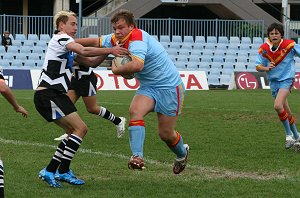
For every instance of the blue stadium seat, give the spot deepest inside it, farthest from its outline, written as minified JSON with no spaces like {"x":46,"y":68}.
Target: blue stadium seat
{"x":9,"y":55}
{"x":187,"y":46}
{"x":214,"y":71}
{"x":34,"y":56}
{"x":180,"y":65}
{"x":209,"y":52}
{"x":216,"y":65}
{"x":211,"y":39}
{"x":175,"y":45}
{"x":225,"y":79}
{"x":16,"y":63}
{"x":222,"y":46}
{"x":184,"y":52}
{"x":45,"y":37}
{"x":38,"y":49}
{"x":206,"y":58}
{"x":218,"y":58}
{"x":245,"y":47}
{"x":257,"y":40}
{"x":213,"y":79}
{"x":231,"y":52}
{"x":240,"y":66}
{"x":227,"y":71}
{"x":200,"y":39}
{"x":228,"y":65}
{"x":242,"y":58}
{"x":13,"y":49}
{"x":204,"y":66}
{"x":4,"y":63}
{"x":194,"y":58}
{"x":197,"y":52}
{"x":39,"y":63}
{"x":172,"y":51}
{"x":25,"y":49}
{"x":199,"y":46}
{"x":2,"y":49}
{"x":233,"y":46}
{"x":42,"y":43}
{"x":235,"y":40}
{"x":176,"y":38}
{"x":188,"y":39}
{"x":29,"y":63}
{"x":164,"y":38}
{"x":29,"y":43}
{"x":21,"y":56}
{"x":211,"y":46}
{"x":32,"y":37}
{"x":93,"y":36}
{"x":223,"y":39}
{"x":166,"y":45}
{"x":230,"y":58}
{"x":20,"y":37}
{"x":243,"y":52}
{"x":17,"y":43}
{"x":155,"y":37}
{"x":246,"y":40}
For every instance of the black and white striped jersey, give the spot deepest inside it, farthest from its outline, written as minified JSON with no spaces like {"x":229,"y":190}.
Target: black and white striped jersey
{"x":57,"y":67}
{"x":79,"y":71}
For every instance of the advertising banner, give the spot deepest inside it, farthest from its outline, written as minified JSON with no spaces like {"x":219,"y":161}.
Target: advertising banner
{"x":17,"y":79}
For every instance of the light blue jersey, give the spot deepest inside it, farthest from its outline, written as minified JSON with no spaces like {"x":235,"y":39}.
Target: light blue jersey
{"x":159,"y":71}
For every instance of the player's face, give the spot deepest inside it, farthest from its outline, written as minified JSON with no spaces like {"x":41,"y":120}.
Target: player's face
{"x":122,"y":29}
{"x":275,"y":37}
{"x":70,"y":27}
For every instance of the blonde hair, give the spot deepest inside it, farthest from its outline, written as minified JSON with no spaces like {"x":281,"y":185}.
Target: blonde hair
{"x":62,"y":16}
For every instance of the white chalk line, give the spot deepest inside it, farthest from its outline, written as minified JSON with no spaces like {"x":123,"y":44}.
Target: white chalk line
{"x":193,"y":171}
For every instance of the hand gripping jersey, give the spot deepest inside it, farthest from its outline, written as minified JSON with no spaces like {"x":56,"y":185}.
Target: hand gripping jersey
{"x":159,"y":71}
{"x":57,"y":67}
{"x":283,"y":57}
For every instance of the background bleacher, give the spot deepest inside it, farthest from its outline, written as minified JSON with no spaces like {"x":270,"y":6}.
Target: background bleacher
{"x":219,"y":57}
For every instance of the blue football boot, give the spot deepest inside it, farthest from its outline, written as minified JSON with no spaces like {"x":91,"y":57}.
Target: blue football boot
{"x":49,"y":178}
{"x":69,"y":177}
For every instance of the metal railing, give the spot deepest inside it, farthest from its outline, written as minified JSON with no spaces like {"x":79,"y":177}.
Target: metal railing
{"x":182,"y":27}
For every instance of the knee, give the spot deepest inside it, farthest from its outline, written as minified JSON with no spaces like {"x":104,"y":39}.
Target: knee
{"x":278,"y":108}
{"x":82,"y":130}
{"x":93,"y":110}
{"x":167,"y":136}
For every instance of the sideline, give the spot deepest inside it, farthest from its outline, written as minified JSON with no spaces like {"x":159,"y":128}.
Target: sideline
{"x":206,"y":172}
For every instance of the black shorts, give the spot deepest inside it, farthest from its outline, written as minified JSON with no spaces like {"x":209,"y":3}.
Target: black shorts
{"x":85,"y":86}
{"x":53,"y":104}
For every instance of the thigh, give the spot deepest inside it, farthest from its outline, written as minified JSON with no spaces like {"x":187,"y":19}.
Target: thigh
{"x":91,"y":103}
{"x":140,"y":106}
{"x":72,"y":123}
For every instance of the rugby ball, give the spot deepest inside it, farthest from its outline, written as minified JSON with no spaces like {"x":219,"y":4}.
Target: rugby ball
{"x":119,"y":61}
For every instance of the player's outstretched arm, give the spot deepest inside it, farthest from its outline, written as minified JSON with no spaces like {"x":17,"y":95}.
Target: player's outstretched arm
{"x":9,"y":96}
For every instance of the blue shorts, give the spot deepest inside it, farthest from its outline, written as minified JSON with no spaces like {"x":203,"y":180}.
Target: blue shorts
{"x":285,"y":84}
{"x":167,"y":101}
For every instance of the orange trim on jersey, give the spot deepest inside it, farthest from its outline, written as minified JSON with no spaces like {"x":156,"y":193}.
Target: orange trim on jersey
{"x":134,"y":35}
{"x":137,"y":123}
{"x":176,"y":141}
{"x":284,"y":48}
{"x":258,"y":67}
{"x":283,"y":115}
{"x":100,"y":42}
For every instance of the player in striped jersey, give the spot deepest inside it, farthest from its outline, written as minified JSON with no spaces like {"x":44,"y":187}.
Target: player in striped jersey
{"x":51,"y":100}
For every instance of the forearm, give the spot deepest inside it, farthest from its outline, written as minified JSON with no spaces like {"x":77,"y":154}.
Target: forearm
{"x":88,"y":42}
{"x":9,"y":96}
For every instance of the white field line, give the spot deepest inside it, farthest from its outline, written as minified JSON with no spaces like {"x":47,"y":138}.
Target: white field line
{"x":204,"y":172}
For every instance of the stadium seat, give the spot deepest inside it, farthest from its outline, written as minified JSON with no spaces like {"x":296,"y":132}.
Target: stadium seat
{"x":213,"y":79}
{"x":209,"y":52}
{"x":204,"y":66}
{"x":233,"y":46}
{"x":42,"y":43}
{"x":199,"y":46}
{"x":234,"y":40}
{"x":16,"y":63}
{"x":2,"y":49}
{"x":240,"y":66}
{"x":45,"y":37}
{"x":4,"y":63}
{"x":21,"y":56}
{"x":242,"y":58}
{"x":17,"y":43}
{"x":222,"y":46}
{"x":218,"y":58}
{"x":25,"y":49}
{"x":252,"y":59}
{"x":177,"y":39}
{"x":193,"y":65}
{"x":182,"y":58}
{"x":29,"y":63}
{"x":187,"y":46}
{"x":154,"y":36}
{"x":34,"y":56}
{"x":38,"y":49}
{"x":197,"y":52}
{"x":32,"y":37}
{"x":194,"y":58}
{"x":227,"y":71}
{"x":223,"y":40}
{"x":216,"y":65}
{"x":39,"y":63}
{"x":230,"y":58}
{"x":214,"y":71}
{"x":228,"y":65}
{"x":172,"y":51}
{"x":211,"y":46}
{"x":225,"y":79}
{"x":9,"y":55}
{"x":175,"y":45}
{"x":184,"y":52}
{"x":200,"y":39}
{"x":245,"y":47}
{"x":206,"y":58}
{"x":29,"y":43}
{"x":166,"y":45}
{"x":220,"y":52}
{"x":13,"y":49}
{"x":257,"y":40}
{"x":211,"y":39}
{"x":164,"y":38}
{"x":20,"y":37}
{"x":246,"y":40}
{"x":180,"y":65}
{"x":231,"y":52}
{"x":243,"y":52}
{"x":188,"y":39}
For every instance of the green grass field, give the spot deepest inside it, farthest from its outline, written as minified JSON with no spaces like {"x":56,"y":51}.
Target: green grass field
{"x":236,"y":150}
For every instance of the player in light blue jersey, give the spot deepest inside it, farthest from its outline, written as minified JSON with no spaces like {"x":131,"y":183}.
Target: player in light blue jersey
{"x":276,"y":58}
{"x":161,"y":89}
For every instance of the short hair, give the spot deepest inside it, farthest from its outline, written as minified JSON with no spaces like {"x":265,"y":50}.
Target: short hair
{"x":275,"y":26}
{"x":124,"y":14}
{"x":62,"y":16}
{"x":6,"y":32}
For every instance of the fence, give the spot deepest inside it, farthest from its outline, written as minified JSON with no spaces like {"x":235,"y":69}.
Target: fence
{"x":182,"y":27}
